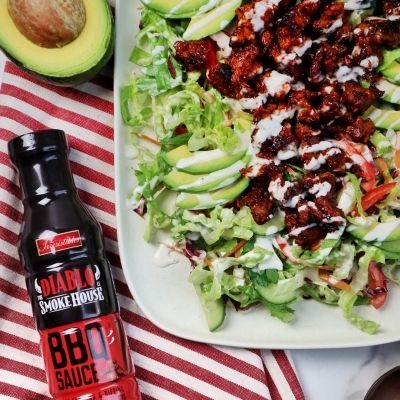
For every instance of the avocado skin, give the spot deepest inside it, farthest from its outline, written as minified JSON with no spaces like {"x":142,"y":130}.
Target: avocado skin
{"x":76,"y":79}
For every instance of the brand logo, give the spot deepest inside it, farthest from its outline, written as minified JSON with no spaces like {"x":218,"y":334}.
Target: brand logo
{"x":61,"y":241}
{"x":69,"y":288}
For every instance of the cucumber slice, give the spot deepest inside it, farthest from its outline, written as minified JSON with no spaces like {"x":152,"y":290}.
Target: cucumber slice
{"x":285,"y":291}
{"x":384,"y":119}
{"x":214,"y":310}
{"x":391,"y":91}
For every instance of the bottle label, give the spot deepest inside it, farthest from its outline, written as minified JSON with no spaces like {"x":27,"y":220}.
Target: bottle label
{"x":58,"y":242}
{"x":65,"y":294}
{"x":69,"y":288}
{"x":86,"y":354}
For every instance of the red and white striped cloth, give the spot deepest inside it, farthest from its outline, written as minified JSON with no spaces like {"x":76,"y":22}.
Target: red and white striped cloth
{"x":167,"y":367}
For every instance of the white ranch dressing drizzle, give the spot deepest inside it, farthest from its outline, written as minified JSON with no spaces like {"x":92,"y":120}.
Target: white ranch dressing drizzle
{"x":277,"y":83}
{"x":370,"y":62}
{"x":345,"y":73}
{"x":223,"y":42}
{"x":289,"y":152}
{"x":297,"y":231}
{"x":321,"y":146}
{"x":252,"y":103}
{"x":320,"y":189}
{"x":166,"y":256}
{"x":356,"y":4}
{"x":336,"y":25}
{"x":278,"y":192}
{"x":256,"y":14}
{"x":271,"y":126}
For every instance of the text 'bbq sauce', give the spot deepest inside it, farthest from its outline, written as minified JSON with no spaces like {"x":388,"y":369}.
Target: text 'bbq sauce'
{"x":69,"y":280}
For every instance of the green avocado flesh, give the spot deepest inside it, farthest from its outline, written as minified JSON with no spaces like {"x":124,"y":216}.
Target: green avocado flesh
{"x":175,"y":8}
{"x":392,"y":72}
{"x":213,"y":21}
{"x":203,"y":200}
{"x":182,"y":181}
{"x":384,"y":119}
{"x":200,"y":162}
{"x":74,"y":63}
{"x":383,"y":232}
{"x":392,"y":246}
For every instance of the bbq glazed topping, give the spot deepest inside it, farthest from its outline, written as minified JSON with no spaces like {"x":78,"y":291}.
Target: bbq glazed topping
{"x":307,"y":75}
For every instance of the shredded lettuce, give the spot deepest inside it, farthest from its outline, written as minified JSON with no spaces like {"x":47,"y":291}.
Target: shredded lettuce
{"x":345,"y":263}
{"x":358,"y":193}
{"x":382,"y":144}
{"x":224,"y":223}
{"x":281,"y":311}
{"x":346,"y":302}
{"x":360,"y":279}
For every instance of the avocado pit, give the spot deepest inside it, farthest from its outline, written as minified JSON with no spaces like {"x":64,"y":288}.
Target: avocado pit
{"x":48,"y":24}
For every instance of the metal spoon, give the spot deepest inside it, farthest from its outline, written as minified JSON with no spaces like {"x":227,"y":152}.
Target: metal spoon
{"x":387,"y":387}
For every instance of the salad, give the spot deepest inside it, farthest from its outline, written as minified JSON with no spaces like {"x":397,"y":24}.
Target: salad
{"x":268,"y":135}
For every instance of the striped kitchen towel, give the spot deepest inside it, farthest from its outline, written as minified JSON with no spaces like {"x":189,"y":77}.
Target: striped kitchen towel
{"x":167,"y":367}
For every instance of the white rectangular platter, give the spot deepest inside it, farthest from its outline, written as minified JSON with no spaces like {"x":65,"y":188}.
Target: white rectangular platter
{"x":169,"y":300}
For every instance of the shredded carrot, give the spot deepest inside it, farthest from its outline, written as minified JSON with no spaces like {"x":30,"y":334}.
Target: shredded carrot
{"x":331,"y":280}
{"x":207,"y":262}
{"x":397,"y":159}
{"x":148,"y":139}
{"x":236,"y":249}
{"x":384,"y":169}
{"x":327,"y":267}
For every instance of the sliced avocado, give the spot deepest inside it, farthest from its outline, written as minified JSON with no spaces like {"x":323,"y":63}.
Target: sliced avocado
{"x":391,"y":91}
{"x":389,"y":56}
{"x":392,"y":246}
{"x":391,"y":256}
{"x":77,"y":61}
{"x":203,"y":201}
{"x":184,"y":182}
{"x":214,"y":310}
{"x":384,"y":119}
{"x":213,"y":21}
{"x":379,"y":232}
{"x":392,"y":72}
{"x":175,"y":8}
{"x":201,"y":162}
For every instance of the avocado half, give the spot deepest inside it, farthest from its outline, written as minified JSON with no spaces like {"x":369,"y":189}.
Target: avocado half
{"x":72,"y":64}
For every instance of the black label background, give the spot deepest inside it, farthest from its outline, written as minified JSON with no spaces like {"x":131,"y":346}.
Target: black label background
{"x":104,"y":286}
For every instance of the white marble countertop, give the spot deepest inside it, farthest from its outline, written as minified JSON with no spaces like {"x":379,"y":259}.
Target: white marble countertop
{"x":338,"y":374}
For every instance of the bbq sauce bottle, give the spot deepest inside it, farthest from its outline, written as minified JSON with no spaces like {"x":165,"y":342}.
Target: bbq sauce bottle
{"x":68,"y":277}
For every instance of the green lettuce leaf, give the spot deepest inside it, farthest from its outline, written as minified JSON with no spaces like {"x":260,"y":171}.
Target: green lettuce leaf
{"x":346,"y":302}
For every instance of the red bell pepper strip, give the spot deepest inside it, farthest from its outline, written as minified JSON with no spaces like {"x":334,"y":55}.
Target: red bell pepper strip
{"x":376,"y":195}
{"x":377,"y":288}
